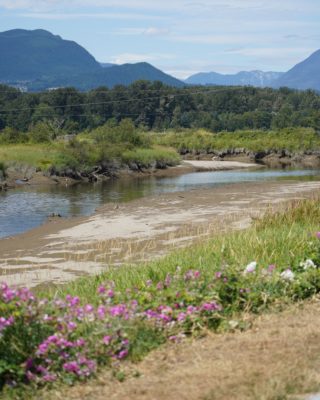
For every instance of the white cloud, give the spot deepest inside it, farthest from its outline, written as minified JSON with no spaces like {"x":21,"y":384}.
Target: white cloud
{"x":151,"y":31}
{"x":154,"y":31}
{"x":212,"y":38}
{"x":164,"y":5}
{"x":271,"y":52}
{"x":136,"y":57}
{"x":85,"y":15}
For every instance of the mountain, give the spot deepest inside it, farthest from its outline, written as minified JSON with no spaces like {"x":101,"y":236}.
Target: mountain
{"x":106,"y":65}
{"x":28,"y":55}
{"x":243,"y":78}
{"x":116,"y":75}
{"x":38,"y":60}
{"x":305,"y":75}
{"x":128,"y":73}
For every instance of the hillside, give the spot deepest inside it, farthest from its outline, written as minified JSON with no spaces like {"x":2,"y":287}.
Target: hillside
{"x":243,"y":78}
{"x":39,"y":60}
{"x":28,"y":55}
{"x":111,"y":76}
{"x":304,"y":75}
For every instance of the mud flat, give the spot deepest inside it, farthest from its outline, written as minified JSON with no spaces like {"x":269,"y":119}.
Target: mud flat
{"x":60,"y":250}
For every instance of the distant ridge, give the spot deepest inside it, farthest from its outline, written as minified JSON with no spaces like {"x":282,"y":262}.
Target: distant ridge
{"x":39,"y":60}
{"x":243,"y":78}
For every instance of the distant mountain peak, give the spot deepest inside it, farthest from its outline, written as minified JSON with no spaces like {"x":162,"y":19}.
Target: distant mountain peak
{"x":243,"y":78}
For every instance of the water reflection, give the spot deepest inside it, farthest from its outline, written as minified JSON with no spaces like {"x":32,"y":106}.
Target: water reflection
{"x":26,"y":208}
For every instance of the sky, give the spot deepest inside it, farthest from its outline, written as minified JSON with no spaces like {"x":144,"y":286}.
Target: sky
{"x":181,"y":37}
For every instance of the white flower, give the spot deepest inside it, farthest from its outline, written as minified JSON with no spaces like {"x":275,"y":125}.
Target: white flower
{"x":250,"y":267}
{"x":287,"y":275}
{"x":308,"y":264}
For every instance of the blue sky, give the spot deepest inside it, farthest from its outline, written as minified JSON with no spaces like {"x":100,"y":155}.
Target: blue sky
{"x":181,"y":37}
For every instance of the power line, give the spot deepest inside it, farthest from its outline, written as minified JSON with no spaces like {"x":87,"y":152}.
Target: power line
{"x":169,"y":95}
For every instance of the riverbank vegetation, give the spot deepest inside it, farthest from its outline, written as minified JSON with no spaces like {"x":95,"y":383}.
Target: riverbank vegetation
{"x":291,"y":139}
{"x":68,"y":334}
{"x":107,"y":148}
{"x":113,"y":146}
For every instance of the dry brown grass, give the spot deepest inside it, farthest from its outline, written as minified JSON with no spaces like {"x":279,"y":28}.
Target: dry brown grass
{"x":278,"y":359}
{"x":120,"y":250}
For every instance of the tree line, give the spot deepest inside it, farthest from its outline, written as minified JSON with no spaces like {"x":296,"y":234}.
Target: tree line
{"x":155,"y":106}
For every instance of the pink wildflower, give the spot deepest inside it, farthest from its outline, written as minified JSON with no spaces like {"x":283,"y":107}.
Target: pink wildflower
{"x":122,"y":354}
{"x":101,"y":311}
{"x":107,"y":339}
{"x":101,"y":289}
{"x":271,"y":268}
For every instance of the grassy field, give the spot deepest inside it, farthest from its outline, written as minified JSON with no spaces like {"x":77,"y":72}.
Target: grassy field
{"x":149,"y":149}
{"x":37,"y":155}
{"x":58,"y":155}
{"x":292,"y":139}
{"x":72,"y":332}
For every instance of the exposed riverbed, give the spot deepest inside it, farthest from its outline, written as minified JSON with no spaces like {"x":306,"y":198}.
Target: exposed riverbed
{"x":136,"y":220}
{"x":27,"y":207}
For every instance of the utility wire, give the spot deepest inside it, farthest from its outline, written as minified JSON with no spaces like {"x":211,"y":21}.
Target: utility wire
{"x":170,"y":96}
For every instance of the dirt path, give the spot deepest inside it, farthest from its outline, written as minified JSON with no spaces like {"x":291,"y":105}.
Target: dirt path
{"x":278,"y":358}
{"x":146,"y":228}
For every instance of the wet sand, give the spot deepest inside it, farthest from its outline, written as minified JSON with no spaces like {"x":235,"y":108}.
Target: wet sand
{"x":62,"y":250}
{"x":204,"y":165}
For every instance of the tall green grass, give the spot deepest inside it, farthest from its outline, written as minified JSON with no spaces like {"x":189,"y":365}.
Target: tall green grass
{"x":282,"y":239}
{"x":293,"y":139}
{"x":37,"y":155}
{"x":157,"y":155}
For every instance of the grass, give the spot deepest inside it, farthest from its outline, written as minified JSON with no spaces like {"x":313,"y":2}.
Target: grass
{"x":37,"y":155}
{"x":84,"y":155}
{"x":158,"y":155}
{"x":292,"y":139}
{"x":263,"y":242}
{"x":193,"y":290}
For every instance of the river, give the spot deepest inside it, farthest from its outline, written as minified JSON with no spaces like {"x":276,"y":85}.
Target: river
{"x":26,"y":207}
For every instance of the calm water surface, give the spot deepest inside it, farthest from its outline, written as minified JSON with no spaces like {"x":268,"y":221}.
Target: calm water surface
{"x":25,"y":208}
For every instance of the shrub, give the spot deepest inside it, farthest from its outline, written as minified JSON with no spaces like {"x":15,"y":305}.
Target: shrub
{"x":10,"y":135}
{"x":40,"y":133}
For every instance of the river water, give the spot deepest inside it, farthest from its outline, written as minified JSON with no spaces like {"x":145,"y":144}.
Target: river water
{"x":26,"y":207}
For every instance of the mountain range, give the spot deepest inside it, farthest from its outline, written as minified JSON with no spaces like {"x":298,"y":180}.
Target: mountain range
{"x":243,"y":78}
{"x":304,"y":75}
{"x":38,"y":60}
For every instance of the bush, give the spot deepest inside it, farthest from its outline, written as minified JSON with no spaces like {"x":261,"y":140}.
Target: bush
{"x":40,"y":133}
{"x":123,"y":133}
{"x":11,"y":136}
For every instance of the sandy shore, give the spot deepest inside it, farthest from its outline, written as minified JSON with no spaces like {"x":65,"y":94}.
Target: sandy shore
{"x":220,"y":165}
{"x":61,"y":250}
